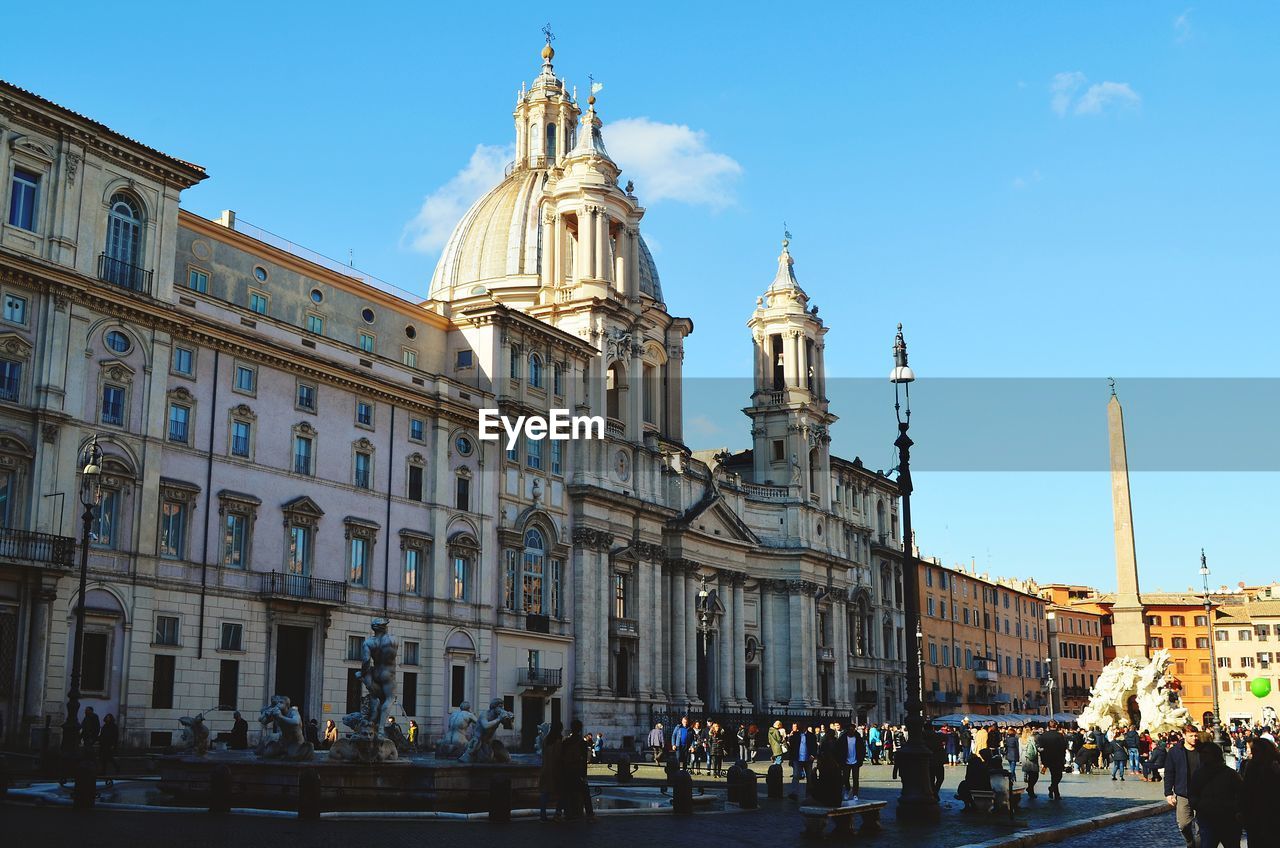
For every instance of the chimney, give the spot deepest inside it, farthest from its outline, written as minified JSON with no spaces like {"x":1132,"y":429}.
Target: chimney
{"x":228,"y":219}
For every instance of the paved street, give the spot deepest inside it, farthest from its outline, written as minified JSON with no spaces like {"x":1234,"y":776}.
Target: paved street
{"x":776,"y":823}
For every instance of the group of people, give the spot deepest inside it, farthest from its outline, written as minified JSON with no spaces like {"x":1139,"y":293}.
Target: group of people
{"x":697,"y":748}
{"x":563,"y":776}
{"x":104,"y":734}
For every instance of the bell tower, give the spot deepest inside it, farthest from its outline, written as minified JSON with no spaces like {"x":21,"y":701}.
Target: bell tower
{"x":546,"y":118}
{"x":790,"y":422}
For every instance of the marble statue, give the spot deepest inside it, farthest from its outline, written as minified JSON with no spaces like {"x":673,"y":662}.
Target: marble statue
{"x":1269,"y":715}
{"x":543,"y":730}
{"x":368,"y":741}
{"x":483,"y":747}
{"x":194,"y":736}
{"x":1131,"y":693}
{"x":458,"y":732}
{"x":283,"y":738}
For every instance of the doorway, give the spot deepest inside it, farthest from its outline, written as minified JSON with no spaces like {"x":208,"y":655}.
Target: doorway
{"x":533,"y":711}
{"x":293,"y":665}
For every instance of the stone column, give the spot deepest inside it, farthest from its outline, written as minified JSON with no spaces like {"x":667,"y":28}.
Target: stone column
{"x":646,"y":591}
{"x":796,"y":653}
{"x":602,"y":245}
{"x":546,"y":272}
{"x":621,"y":261}
{"x":675,"y":388}
{"x":724,"y":642}
{"x":768,"y":692}
{"x":738,"y":648}
{"x":633,"y":397}
{"x":802,"y":349}
{"x":582,"y":623}
{"x":793,"y":358}
{"x":633,"y":261}
{"x":42,"y":598}
{"x":587,"y":243}
{"x":676,"y":628}
{"x":820,"y":371}
{"x":840,"y":630}
{"x":690,"y":635}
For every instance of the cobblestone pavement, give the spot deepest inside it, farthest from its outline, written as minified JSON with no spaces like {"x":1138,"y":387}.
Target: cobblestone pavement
{"x":1155,"y":832}
{"x":777,"y":823}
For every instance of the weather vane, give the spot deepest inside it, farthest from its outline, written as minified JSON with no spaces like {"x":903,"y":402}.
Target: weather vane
{"x":1111,"y":382}
{"x":786,"y":233}
{"x":595,"y":87}
{"x":546,"y":30}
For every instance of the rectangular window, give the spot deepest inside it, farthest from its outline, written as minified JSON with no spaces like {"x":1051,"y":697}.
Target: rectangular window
{"x":166,"y":630}
{"x":457,"y":685}
{"x":359,"y":572}
{"x":513,"y":452}
{"x":366,"y":342}
{"x":15,"y":309}
{"x":620,"y":605}
{"x":409,"y":693}
{"x":179,"y":418}
{"x":96,"y":663}
{"x":241,"y":431}
{"x":228,"y":684}
{"x":302,"y":455}
{"x":315,"y":324}
{"x":409,"y":357}
{"x":197,"y":280}
{"x":235,"y":543}
{"x":246,"y":379}
{"x":173,"y":529}
{"x":557,"y":453}
{"x":355,"y":648}
{"x":258,"y":302}
{"x":412,"y":575}
{"x":184,"y":361}
{"x":1202,"y":642}
{"x":779,"y":450}
{"x":531,"y":587}
{"x":104,"y":523}
{"x":417,"y":430}
{"x":10,"y":380}
{"x":364,"y":413}
{"x":299,"y":561}
{"x":415,"y":482}
{"x":232,"y":636}
{"x":462,"y":494}
{"x":515,"y":362}
{"x":306,"y":397}
{"x":22,"y":199}
{"x":461,"y":578}
{"x":113,"y":405}
{"x":933,"y":654}
{"x":1220,"y":635}
{"x":162,"y":682}
{"x":355,"y":691}
{"x":533,"y":453}
{"x":557,"y":379}
{"x":1177,"y":621}
{"x":509,"y":581}
{"x":463,"y":360}
{"x":410,"y":653}
{"x":363,"y":469}
{"x":554,"y":589}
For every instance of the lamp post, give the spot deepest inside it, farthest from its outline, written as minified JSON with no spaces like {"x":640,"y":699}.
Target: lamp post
{"x":704,"y":627}
{"x":90,"y":480}
{"x":1208,"y":623}
{"x":1049,"y":682}
{"x":917,"y":800}
{"x":920,"y":661}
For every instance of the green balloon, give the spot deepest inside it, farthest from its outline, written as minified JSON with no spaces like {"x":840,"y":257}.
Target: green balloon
{"x":1260,"y":687}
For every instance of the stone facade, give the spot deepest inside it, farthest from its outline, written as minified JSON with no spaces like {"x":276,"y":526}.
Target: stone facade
{"x":291,"y":448}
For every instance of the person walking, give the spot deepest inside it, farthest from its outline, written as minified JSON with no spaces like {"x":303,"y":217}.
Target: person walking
{"x":1030,"y":760}
{"x":965,"y":741}
{"x":1119,"y":755}
{"x":1215,"y":795}
{"x":575,"y":753}
{"x":804,"y":748}
{"x":853,"y":753}
{"x":874,"y":744}
{"x":1261,"y":789}
{"x":682,"y":742}
{"x":657,"y":743}
{"x":1012,"y":755}
{"x":90,"y":727}
{"x":550,"y":772}
{"x":715,"y":749}
{"x":108,"y":742}
{"x":1181,"y":765}
{"x":330,"y":734}
{"x":1053,"y":757}
{"x":239,"y":740}
{"x":777,"y":743}
{"x":413,"y":735}
{"x":1132,"y":742}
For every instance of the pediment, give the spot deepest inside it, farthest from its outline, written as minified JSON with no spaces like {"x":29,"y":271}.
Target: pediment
{"x":12,"y":344}
{"x":302,"y":506}
{"x":25,"y":144}
{"x":715,"y":518}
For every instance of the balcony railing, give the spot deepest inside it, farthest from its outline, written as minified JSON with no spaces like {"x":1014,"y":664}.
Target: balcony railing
{"x":117,"y":272}
{"x":826,"y":653}
{"x":539,"y":678}
{"x":614,"y":427}
{"x":32,"y":547}
{"x":867,"y":696}
{"x":299,"y":587}
{"x":766,"y":492}
{"x":624,"y":626}
{"x":535,"y":623}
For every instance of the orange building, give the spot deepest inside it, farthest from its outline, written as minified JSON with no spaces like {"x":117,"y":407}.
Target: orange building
{"x":1075,"y":646}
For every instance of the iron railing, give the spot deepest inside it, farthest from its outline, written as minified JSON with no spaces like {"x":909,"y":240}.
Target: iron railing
{"x":117,"y":272}
{"x":542,"y":678}
{"x":304,"y":588}
{"x":29,"y":546}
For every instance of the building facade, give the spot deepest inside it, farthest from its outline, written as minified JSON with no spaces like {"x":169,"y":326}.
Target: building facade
{"x":984,"y":644}
{"x":291,"y":448}
{"x":1245,"y":637}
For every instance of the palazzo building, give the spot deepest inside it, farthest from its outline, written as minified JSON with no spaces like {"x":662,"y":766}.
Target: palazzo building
{"x":291,"y":447}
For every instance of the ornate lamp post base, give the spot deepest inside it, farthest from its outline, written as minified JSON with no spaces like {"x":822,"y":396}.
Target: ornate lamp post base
{"x":917,"y":802}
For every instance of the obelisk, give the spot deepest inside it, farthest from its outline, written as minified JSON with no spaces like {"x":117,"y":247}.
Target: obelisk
{"x":1128,"y":629}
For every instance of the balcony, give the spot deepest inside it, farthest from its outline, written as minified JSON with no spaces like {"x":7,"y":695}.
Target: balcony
{"x":535,"y":623}
{"x":300,"y":588}
{"x":615,"y":428}
{"x":867,"y":697}
{"x":986,"y":674}
{"x":885,"y":541}
{"x":117,"y":272}
{"x":539,"y":678}
{"x":624,"y":627}
{"x":33,"y":548}
{"x":826,"y":654}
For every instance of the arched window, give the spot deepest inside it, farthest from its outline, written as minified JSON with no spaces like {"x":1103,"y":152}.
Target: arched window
{"x":813,"y":471}
{"x":862,"y":632}
{"x":888,"y":640}
{"x":124,"y":229}
{"x":650,"y":393}
{"x":880,"y":520}
{"x":613,"y":391}
{"x":531,"y":583}
{"x":535,"y":371}
{"x":551,"y":142}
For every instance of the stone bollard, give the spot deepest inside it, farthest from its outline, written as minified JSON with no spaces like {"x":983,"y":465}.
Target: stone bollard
{"x":220,"y":790}
{"x":86,"y":787}
{"x":624,"y":769}
{"x":682,"y":794}
{"x":309,"y":794}
{"x":732,"y":781}
{"x":773,"y":780}
{"x":748,"y":796}
{"x":500,"y":799}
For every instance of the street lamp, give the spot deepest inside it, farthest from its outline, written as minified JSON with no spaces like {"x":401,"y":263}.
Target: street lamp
{"x":1049,"y":682}
{"x":90,"y":490}
{"x":704,"y":626}
{"x":917,"y":799}
{"x":1208,"y":621}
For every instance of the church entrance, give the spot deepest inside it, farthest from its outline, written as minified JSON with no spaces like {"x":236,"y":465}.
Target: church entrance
{"x":293,"y":666}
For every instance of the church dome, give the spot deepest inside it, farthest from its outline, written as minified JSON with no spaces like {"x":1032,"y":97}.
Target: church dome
{"x":496,"y":244}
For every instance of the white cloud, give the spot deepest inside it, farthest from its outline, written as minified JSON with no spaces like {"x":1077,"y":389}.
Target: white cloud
{"x":1182,"y":27}
{"x":1103,"y":94}
{"x":702,"y":427}
{"x":1096,"y":98}
{"x":671,"y":162}
{"x":1021,"y":183}
{"x":443,"y":208}
{"x":1063,"y":88}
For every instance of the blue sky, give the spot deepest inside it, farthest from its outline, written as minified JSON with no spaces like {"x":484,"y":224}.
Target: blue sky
{"x":1036,"y":192}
